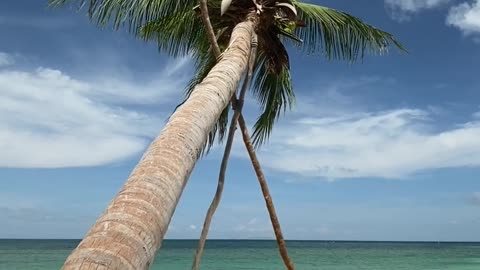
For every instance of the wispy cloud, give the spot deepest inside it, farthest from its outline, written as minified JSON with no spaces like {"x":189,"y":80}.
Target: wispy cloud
{"x":323,"y":230}
{"x":402,"y":10}
{"x":352,"y":140}
{"x":476,"y":115}
{"x":27,"y":217}
{"x":330,"y":99}
{"x":349,"y":221}
{"x":121,"y":87}
{"x":466,"y":17}
{"x":388,"y":144}
{"x":253,"y":229}
{"x":415,"y":5}
{"x":50,"y":119}
{"x":344,"y":137}
{"x":5,"y":59}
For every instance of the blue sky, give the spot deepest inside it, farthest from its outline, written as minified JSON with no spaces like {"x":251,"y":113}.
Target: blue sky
{"x":386,"y":149}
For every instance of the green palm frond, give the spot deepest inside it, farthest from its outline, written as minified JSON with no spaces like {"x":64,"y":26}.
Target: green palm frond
{"x":177,"y":34}
{"x":274,"y":92}
{"x":339,"y":35}
{"x":273,"y":51}
{"x":134,"y":13}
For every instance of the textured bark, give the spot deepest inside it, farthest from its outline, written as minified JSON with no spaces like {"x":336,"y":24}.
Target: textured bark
{"x":130,"y":231}
{"x":226,"y":155}
{"x":282,"y":247}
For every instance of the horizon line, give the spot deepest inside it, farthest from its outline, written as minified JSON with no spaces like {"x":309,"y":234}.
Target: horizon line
{"x":273,"y":239}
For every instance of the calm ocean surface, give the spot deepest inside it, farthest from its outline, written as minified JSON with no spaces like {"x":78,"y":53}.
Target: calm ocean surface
{"x":263,"y":255}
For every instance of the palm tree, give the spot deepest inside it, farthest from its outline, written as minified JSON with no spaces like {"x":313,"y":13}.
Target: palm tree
{"x":272,"y":79}
{"x":130,"y":231}
{"x":237,"y":116}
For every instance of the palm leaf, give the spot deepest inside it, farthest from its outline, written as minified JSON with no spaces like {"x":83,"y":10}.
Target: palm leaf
{"x":339,"y":35}
{"x":177,"y":34}
{"x":134,"y":13}
{"x":274,"y":92}
{"x":273,"y":52}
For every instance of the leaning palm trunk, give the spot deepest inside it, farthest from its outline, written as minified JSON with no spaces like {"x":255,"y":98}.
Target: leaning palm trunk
{"x":282,"y":247}
{"x":131,"y":230}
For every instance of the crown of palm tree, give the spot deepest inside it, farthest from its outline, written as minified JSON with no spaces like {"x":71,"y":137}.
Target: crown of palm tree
{"x":178,"y":30}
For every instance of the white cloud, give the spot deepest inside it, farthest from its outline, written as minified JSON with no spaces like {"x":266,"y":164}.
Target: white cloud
{"x":401,"y":10}
{"x":253,"y":228}
{"x":252,"y":221}
{"x":165,"y":86}
{"x":192,"y":227}
{"x":414,"y":5}
{"x":476,"y":115}
{"x":466,"y":17}
{"x":323,"y":230}
{"x":5,"y":59}
{"x":51,"y":120}
{"x":387,"y":144}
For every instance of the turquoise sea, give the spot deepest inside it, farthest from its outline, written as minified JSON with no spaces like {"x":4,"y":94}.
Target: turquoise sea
{"x":263,"y":255}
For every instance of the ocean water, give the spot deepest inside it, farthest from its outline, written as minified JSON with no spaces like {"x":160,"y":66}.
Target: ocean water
{"x":263,"y":255}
